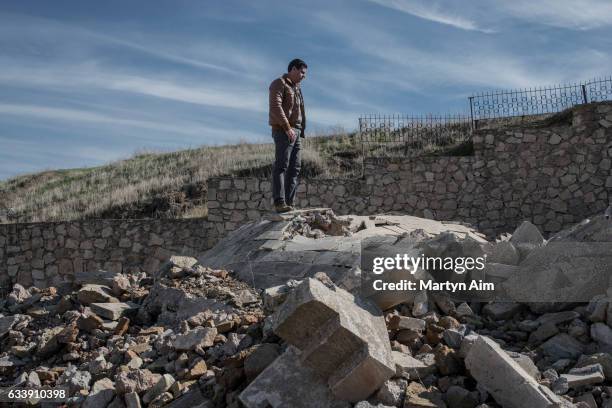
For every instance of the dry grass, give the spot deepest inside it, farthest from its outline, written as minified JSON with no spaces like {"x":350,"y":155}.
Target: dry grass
{"x":151,"y":184}
{"x":105,"y":190}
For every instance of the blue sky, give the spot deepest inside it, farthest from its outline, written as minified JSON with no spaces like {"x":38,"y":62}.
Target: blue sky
{"x":84,"y":83}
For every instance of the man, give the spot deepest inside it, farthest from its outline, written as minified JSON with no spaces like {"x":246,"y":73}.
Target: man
{"x":288,"y":120}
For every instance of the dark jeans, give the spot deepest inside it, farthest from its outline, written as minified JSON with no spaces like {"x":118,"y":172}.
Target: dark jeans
{"x":287,"y":164}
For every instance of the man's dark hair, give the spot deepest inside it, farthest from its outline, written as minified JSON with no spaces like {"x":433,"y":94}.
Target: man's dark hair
{"x":298,"y":63}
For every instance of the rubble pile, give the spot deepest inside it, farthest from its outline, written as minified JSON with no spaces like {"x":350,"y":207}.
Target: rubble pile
{"x":195,"y":335}
{"x":186,"y":337}
{"x":318,"y":224}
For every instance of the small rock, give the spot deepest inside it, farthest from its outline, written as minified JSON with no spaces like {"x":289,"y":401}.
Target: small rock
{"x":92,"y":293}
{"x":135,"y":381}
{"x":201,"y":336}
{"x":112,"y":311}
{"x":162,"y":385}
{"x":392,"y":392}
{"x":562,"y":346}
{"x":591,"y":374}
{"x":501,"y":310}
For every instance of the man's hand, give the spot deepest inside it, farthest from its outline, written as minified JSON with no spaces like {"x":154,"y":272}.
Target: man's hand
{"x":291,"y":135}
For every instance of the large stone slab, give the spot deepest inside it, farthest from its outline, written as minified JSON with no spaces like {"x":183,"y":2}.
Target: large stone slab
{"x":593,"y":229}
{"x":562,"y":272}
{"x":509,"y":384}
{"x":265,"y":253}
{"x":288,"y":383}
{"x":342,"y":338}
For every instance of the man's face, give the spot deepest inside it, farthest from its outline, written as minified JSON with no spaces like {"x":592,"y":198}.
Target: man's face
{"x":297,"y":75}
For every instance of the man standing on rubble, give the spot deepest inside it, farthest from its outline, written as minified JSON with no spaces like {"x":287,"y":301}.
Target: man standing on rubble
{"x":288,"y":120}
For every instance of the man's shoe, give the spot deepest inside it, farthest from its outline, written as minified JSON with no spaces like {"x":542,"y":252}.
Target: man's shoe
{"x":282,"y":208}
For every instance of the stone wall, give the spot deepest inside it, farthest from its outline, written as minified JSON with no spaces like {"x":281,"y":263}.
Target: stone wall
{"x":48,"y":253}
{"x":553,"y":174}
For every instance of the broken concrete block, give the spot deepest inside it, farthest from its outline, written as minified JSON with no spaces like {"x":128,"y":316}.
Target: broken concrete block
{"x":112,"y":311}
{"x":527,"y":233}
{"x":410,"y":368}
{"x":605,"y":359}
{"x":274,"y":296}
{"x":509,"y":384}
{"x":591,"y":374}
{"x":543,"y":333}
{"x":503,"y":252}
{"x":558,"y":317}
{"x":342,"y":338}
{"x":392,"y":392}
{"x":289,"y":383}
{"x":602,"y":334}
{"x":92,"y":293}
{"x":501,"y":310}
{"x":101,"y":394}
{"x":200,"y":336}
{"x":420,"y":306}
{"x":407,"y":323}
{"x":164,"y":383}
{"x":562,"y":346}
{"x":418,"y":396}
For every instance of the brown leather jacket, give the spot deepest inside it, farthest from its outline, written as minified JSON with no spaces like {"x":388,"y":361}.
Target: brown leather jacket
{"x":286,"y":105}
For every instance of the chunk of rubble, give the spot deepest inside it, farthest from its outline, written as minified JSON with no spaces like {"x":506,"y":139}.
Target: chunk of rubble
{"x":501,"y":310}
{"x":198,"y":337}
{"x":505,"y":379}
{"x":113,"y":311}
{"x":411,"y":368}
{"x":590,"y":374}
{"x":274,"y":296}
{"x":604,"y":359}
{"x":562,"y":346}
{"x":527,"y":237}
{"x":503,"y":252}
{"x":419,"y":396}
{"x":289,"y":383}
{"x":92,"y":293}
{"x":341,"y":337}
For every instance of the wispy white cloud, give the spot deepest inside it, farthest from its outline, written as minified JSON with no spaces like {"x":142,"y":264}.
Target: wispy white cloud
{"x":85,"y":77}
{"x":486,"y":66}
{"x":82,"y":116}
{"x":571,"y":14}
{"x":57,"y":38}
{"x":432,"y":12}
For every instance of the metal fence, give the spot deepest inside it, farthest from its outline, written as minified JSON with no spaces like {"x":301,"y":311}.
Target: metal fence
{"x":402,"y":135}
{"x":537,"y":101}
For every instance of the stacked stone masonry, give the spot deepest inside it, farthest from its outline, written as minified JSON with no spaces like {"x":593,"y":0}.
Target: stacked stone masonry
{"x":50,"y":253}
{"x":552,"y":175}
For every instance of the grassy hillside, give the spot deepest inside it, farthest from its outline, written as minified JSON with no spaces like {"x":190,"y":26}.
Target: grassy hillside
{"x":173,"y":185}
{"x":160,"y":184}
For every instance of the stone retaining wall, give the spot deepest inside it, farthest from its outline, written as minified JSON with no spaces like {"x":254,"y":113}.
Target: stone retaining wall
{"x":553,"y":175}
{"x":48,"y":253}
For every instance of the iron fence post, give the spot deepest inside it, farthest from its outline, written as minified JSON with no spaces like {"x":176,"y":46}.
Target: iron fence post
{"x":472,"y":113}
{"x":584,"y":94}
